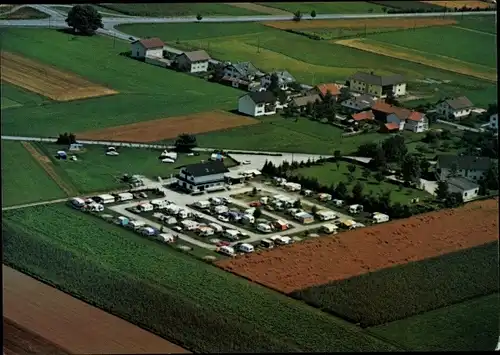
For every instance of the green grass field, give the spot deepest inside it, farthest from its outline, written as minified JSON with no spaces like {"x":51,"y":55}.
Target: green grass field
{"x":20,"y":96}
{"x":95,"y":171}
{"x":179,"y":9}
{"x":23,"y":179}
{"x":146,"y":92}
{"x":400,"y":4}
{"x":105,"y":12}
{"x":310,"y":61}
{"x":479,"y":23}
{"x":24,"y":13}
{"x":328,"y":174}
{"x":468,"y":326}
{"x":8,"y":103}
{"x":327,"y":7}
{"x":403,"y":291}
{"x":195,"y":304}
{"x":475,"y":47}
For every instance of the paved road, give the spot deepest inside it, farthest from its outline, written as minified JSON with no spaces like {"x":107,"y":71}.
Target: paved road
{"x":34,"y":204}
{"x":459,"y":126}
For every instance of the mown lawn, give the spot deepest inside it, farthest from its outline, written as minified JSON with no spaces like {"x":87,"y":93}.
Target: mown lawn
{"x":468,"y":326}
{"x":179,"y":9}
{"x":195,"y":304}
{"x":406,"y":290}
{"x":146,"y":92}
{"x":329,"y":174}
{"x":310,"y":61}
{"x":353,"y":7}
{"x":23,"y":179}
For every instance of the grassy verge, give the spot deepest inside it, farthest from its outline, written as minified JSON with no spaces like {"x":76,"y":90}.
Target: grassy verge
{"x":25,"y":13}
{"x":327,"y":7}
{"x":195,"y":304}
{"x":179,"y":9}
{"x":403,"y":291}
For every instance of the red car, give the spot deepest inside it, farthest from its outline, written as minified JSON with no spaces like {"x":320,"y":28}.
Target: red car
{"x":223,"y":243}
{"x":255,"y":204}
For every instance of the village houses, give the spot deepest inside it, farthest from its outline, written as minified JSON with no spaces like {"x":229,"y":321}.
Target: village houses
{"x":284,"y":79}
{"x":256,"y":104}
{"x":376,"y":85}
{"x":359,"y":103}
{"x":193,"y":62}
{"x":323,"y":89}
{"x":148,"y":47}
{"x":469,"y":167}
{"x":455,"y":108}
{"x":398,"y":118}
{"x":466,"y":188}
{"x":244,"y":71}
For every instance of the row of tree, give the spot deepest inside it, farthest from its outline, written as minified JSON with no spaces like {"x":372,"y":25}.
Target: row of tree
{"x":437,"y":9}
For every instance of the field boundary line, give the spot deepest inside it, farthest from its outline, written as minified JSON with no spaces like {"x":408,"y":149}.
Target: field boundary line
{"x":475,"y":31}
{"x":45,"y":163}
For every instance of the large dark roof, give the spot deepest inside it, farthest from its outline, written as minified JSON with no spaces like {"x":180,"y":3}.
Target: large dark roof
{"x":377,"y":79}
{"x":464,"y":162}
{"x":262,"y":97}
{"x":203,"y":169}
{"x":461,"y":183}
{"x":459,"y":103}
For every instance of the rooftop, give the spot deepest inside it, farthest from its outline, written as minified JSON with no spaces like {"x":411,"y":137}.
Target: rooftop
{"x":461,"y":183}
{"x":465,"y":162}
{"x":197,"y":56}
{"x":332,"y":87}
{"x":377,"y":79}
{"x":204,"y":169}
{"x":151,"y":43}
{"x":262,"y":97}
{"x":303,"y":100}
{"x":459,"y":103}
{"x":365,"y":115}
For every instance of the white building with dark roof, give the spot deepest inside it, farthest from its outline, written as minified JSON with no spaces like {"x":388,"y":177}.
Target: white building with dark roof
{"x":256,"y":104}
{"x":377,"y":85}
{"x":193,"y":62}
{"x":468,"y":189}
{"x":455,"y":108}
{"x":469,"y":167}
{"x":202,"y":177}
{"x":284,"y":79}
{"x":148,"y":47}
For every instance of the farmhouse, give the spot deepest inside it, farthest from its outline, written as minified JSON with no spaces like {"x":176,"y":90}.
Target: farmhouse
{"x":468,"y":189}
{"x":359,"y":103}
{"x":193,"y":62}
{"x":148,"y":47}
{"x":494,"y":122}
{"x":322,"y":89}
{"x":302,"y":101}
{"x":284,"y":79}
{"x":203,"y":176}
{"x":363,"y":116}
{"x":469,"y":167}
{"x":243,"y":71}
{"x":398,"y":118}
{"x":377,"y":85}
{"x":258,"y":104}
{"x":455,"y":108}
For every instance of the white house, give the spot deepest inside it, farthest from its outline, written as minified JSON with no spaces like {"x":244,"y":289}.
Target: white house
{"x":193,"y":62}
{"x":416,"y":122}
{"x":202,"y":176}
{"x":469,"y":167}
{"x":284,"y":79}
{"x":494,"y":121}
{"x":257,"y":104}
{"x":457,"y":107}
{"x":243,"y":71}
{"x":148,"y":47}
{"x":377,"y":85}
{"x":468,"y":189}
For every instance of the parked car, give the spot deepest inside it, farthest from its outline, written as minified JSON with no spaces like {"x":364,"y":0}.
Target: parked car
{"x":255,"y":204}
{"x":223,"y":218}
{"x":177,"y":228}
{"x":246,"y":162}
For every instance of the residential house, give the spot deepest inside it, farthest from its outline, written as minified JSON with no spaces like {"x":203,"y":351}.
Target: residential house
{"x":258,"y":103}
{"x":455,"y":108}
{"x":148,"y":47}
{"x":193,"y":62}
{"x":468,"y":189}
{"x":302,"y":101}
{"x":470,"y":167}
{"x":397,"y":118}
{"x":360,"y":103}
{"x":235,"y":83}
{"x":363,"y":116}
{"x":202,"y":176}
{"x":376,"y":85}
{"x":322,"y":89}
{"x":284,"y":79}
{"x":494,"y":122}
{"x":416,"y":122}
{"x":243,"y":71}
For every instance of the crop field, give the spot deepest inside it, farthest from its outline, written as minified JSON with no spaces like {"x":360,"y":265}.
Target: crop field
{"x":146,"y":92}
{"x":310,"y":61}
{"x":468,"y":326}
{"x":180,"y":9}
{"x":403,"y":291}
{"x":432,"y":60}
{"x":8,"y":103}
{"x":329,"y":174}
{"x":168,"y":128}
{"x":23,"y":178}
{"x":94,"y":171}
{"x":198,"y":306}
{"x":317,"y":262}
{"x":24,"y":13}
{"x":407,"y":5}
{"x":12,"y":93}
{"x":484,"y":24}
{"x":327,"y":7}
{"x":71,"y":323}
{"x":48,"y":81}
{"x":460,"y":4}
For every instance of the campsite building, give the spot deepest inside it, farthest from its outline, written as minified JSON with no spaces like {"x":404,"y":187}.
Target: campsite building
{"x":258,"y":104}
{"x":202,"y":176}
{"x":377,"y":85}
{"x":455,"y":108}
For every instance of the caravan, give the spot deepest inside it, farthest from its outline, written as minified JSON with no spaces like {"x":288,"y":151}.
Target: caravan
{"x":355,"y":208}
{"x":202,"y":204}
{"x":159,"y":204}
{"x":216,"y":227}
{"x":105,"y":199}
{"x":379,"y":217}
{"x":264,"y":228}
{"x":326,"y":215}
{"x":144,"y":207}
{"x":125,"y":196}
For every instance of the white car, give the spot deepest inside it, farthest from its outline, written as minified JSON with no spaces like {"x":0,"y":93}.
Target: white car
{"x":246,"y":162}
{"x":222,"y":218}
{"x":112,"y":153}
{"x":177,"y":228}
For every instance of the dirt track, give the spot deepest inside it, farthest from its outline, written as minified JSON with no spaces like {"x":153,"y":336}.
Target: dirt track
{"x":460,"y":4}
{"x":73,"y":324}
{"x":361,"y":23}
{"x":258,"y":8}
{"x":48,"y":81}
{"x":167,"y":128}
{"x":326,"y":259}
{"x":411,"y":55}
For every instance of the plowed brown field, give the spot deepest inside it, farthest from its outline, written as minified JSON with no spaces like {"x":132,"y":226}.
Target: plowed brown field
{"x":319,"y":261}
{"x":460,"y":4}
{"x":72,"y":324}
{"x":47,"y":81}
{"x":361,"y":23}
{"x":167,"y":128}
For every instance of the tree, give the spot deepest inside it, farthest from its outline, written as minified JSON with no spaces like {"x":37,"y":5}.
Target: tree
{"x":314,"y":210}
{"x":297,"y":203}
{"x":351,"y":168}
{"x":411,"y":168}
{"x":453,"y":199}
{"x":84,"y":19}
{"x":394,"y":148}
{"x":378,"y":162}
{"x":379,"y":177}
{"x":490,"y":180}
{"x":442,"y":190}
{"x":313,"y":13}
{"x":309,"y":108}
{"x":337,"y":155}
{"x":297,"y":16}
{"x":341,"y":191}
{"x":199,"y":17}
{"x":357,"y":191}
{"x":257,"y":212}
{"x":66,"y":139}
{"x":185,"y":142}
{"x":218,"y":72}
{"x":391,"y":99}
{"x":453,"y":170}
{"x":366,"y":174}
{"x":384,"y":9}
{"x":344,"y":94}
{"x":424,"y":166}
{"x":274,"y":85}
